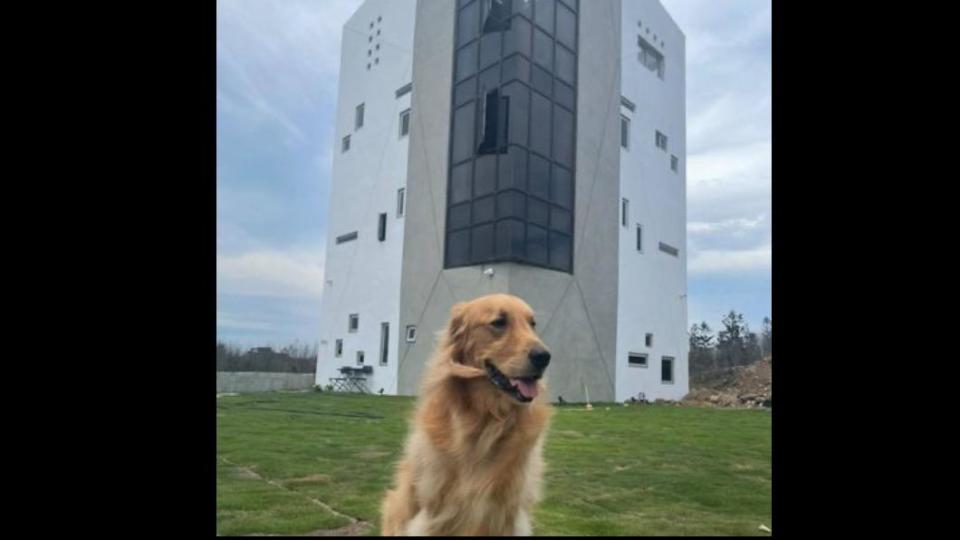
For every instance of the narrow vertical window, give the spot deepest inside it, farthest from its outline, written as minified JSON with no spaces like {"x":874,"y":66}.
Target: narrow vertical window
{"x":493,"y":134}
{"x":639,"y":238}
{"x":405,"y":123}
{"x":400,"y":195}
{"x":384,"y":342}
{"x":346,"y":144}
{"x":359,"y":358}
{"x":625,"y":132}
{"x":358,"y":122}
{"x":354,"y":322}
{"x":666,"y":369}
{"x":625,"y":211}
{"x":338,"y":350}
{"x":648,"y":339}
{"x":674,"y":163}
{"x":382,"y":227}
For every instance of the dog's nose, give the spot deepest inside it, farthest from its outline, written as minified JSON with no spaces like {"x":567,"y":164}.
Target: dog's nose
{"x":539,"y":357}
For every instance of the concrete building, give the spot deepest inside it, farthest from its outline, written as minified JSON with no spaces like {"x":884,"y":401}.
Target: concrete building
{"x":533,"y":147}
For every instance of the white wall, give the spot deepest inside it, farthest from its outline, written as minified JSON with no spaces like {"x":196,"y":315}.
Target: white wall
{"x":363,"y":276}
{"x":653,"y":284}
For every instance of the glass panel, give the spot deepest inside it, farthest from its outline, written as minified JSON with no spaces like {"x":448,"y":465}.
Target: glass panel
{"x":489,"y":49}
{"x":485,"y":175}
{"x":523,"y":6}
{"x":563,"y":136}
{"x":460,"y":183}
{"x":561,"y":187}
{"x":468,"y":23}
{"x":559,"y":250}
{"x":539,"y":180}
{"x":537,"y":212}
{"x":489,"y":80}
{"x":510,"y":237}
{"x":542,"y":49}
{"x":516,"y":67}
{"x":542,"y":81}
{"x":463,"y":120}
{"x":465,"y":91}
{"x":563,"y":94}
{"x":467,"y":61}
{"x":536,"y":244}
{"x":566,"y":64}
{"x":540,"y":117}
{"x":517,"y":39}
{"x":483,"y":210}
{"x":458,"y":248}
{"x":543,"y":14}
{"x":513,"y":168}
{"x":560,"y":220}
{"x":510,"y":204}
{"x":566,"y":27}
{"x":459,"y":216}
{"x":483,"y":242}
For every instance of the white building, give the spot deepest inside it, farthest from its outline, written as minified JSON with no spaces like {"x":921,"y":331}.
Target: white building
{"x":535,"y":148}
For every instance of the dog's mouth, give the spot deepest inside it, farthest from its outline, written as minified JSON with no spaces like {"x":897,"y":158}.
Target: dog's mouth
{"x":523,"y":389}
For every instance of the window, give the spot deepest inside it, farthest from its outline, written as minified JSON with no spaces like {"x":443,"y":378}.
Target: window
{"x":648,"y":340}
{"x":353,"y":322}
{"x":496,"y":15}
{"x":639,"y":238}
{"x":627,"y":103}
{"x":400,"y":193}
{"x":405,"y":89}
{"x":359,"y":358}
{"x":650,"y":57}
{"x":411,"y":334}
{"x":625,"y":132}
{"x":674,"y":163}
{"x":493,"y":130}
{"x":625,"y":211}
{"x":661,"y":141}
{"x":384,"y":343}
{"x":405,"y":123}
{"x":338,"y":349}
{"x":668,"y":249}
{"x":382,"y":227}
{"x":637,"y":360}
{"x":358,"y":119}
{"x":666,"y":369}
{"x":345,"y":145}
{"x":347,"y":237}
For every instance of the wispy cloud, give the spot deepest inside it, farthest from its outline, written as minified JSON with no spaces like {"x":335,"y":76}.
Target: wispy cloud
{"x":271,"y":273}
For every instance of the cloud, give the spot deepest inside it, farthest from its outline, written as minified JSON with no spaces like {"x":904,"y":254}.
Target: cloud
{"x":730,"y":262}
{"x":271,"y":273}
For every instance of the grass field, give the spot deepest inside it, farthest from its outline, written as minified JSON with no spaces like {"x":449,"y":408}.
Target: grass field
{"x":300,"y":463}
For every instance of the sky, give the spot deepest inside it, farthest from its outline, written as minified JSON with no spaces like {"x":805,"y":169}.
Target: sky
{"x":277,"y":64}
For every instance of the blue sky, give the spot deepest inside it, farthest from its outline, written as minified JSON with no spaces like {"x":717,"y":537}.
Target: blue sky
{"x":277,"y":64}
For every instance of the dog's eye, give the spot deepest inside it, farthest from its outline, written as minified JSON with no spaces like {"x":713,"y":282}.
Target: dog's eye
{"x":499,"y":322}
{"x":533,"y":324}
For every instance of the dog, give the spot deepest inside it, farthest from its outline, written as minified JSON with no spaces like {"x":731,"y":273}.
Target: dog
{"x":472,"y":462}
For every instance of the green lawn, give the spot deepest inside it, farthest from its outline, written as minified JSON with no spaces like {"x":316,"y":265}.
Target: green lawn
{"x":647,"y":470}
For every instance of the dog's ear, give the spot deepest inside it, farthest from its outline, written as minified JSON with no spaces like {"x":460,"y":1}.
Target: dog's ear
{"x":457,"y":331}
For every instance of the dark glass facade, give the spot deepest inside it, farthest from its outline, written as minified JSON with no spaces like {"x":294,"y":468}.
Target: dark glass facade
{"x":511,"y":183}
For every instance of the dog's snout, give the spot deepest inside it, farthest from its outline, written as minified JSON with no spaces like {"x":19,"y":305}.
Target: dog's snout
{"x":540,"y":358}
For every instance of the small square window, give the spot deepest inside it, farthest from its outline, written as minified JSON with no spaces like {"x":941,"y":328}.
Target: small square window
{"x":345,"y":145}
{"x":666,"y":370}
{"x":358,"y":117}
{"x":411,"y":334}
{"x":359,"y":358}
{"x":338,"y":349}
{"x":400,"y":195}
{"x":405,"y":123}
{"x":637,"y":360}
{"x":648,"y":340}
{"x":354,"y":322}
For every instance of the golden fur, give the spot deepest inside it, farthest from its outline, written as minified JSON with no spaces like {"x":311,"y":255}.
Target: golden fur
{"x":473,"y":457}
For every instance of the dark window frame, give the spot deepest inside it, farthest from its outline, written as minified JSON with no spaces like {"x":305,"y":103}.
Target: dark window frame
{"x":338,"y":348}
{"x":384,"y":343}
{"x":345,"y":144}
{"x":382,"y":227}
{"x":644,"y":356}
{"x":401,"y":201}
{"x":668,"y":361}
{"x":405,"y":123}
{"x":349,"y":237}
{"x":358,"y":116}
{"x":353,"y":323}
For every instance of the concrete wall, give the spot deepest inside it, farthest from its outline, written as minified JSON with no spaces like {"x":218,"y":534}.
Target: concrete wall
{"x":363,"y":276}
{"x":256,"y":381}
{"x":653,"y":284}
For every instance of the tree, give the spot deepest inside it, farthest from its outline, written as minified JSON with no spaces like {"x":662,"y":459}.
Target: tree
{"x":734,"y":345}
{"x":766,"y":337}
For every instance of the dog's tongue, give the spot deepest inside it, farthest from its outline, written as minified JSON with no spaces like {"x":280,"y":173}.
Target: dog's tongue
{"x":526,"y":387}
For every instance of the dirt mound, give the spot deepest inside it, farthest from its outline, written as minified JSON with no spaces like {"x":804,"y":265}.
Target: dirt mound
{"x":741,"y":386}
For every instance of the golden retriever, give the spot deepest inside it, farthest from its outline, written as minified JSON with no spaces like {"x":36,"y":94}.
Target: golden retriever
{"x":473,"y":457}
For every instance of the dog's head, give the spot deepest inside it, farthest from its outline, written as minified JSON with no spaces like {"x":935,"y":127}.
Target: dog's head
{"x":496,"y":333}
